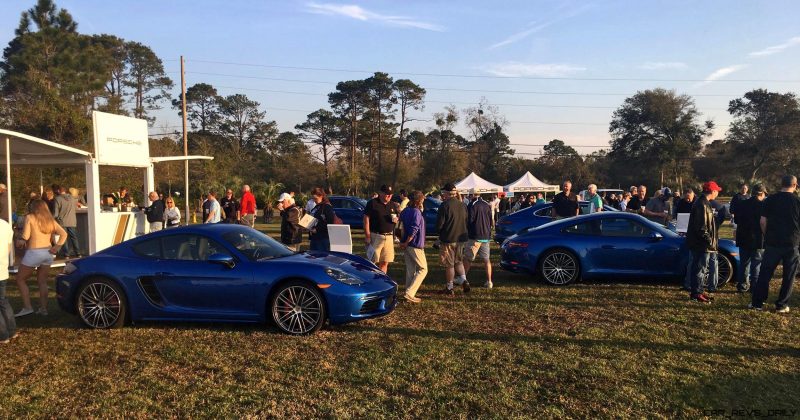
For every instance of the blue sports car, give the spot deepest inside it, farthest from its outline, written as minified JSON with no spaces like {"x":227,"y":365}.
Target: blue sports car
{"x":607,"y":244}
{"x":222,"y":272}
{"x":530,"y":217}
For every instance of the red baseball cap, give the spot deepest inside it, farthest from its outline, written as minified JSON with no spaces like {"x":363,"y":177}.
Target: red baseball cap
{"x":711,"y":186}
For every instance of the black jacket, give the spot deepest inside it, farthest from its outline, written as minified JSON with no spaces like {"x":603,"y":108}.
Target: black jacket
{"x":479,"y":225}
{"x":748,"y":224}
{"x":155,"y":213}
{"x":701,"y":234}
{"x":451,"y":221}
{"x":291,"y":231}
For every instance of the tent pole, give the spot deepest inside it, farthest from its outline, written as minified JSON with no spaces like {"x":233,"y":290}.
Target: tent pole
{"x":8,"y":198}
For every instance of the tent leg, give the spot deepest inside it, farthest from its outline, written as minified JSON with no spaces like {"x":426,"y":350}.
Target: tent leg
{"x":8,"y":197}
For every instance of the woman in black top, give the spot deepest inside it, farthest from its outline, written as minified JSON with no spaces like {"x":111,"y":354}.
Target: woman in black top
{"x":323,"y":212}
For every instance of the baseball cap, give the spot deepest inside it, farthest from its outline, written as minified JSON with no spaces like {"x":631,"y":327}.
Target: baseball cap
{"x":284,"y":196}
{"x":711,"y":186}
{"x":449,"y":187}
{"x":666,"y":192}
{"x":386,"y":189}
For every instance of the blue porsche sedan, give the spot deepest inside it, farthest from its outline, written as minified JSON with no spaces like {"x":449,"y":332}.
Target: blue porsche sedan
{"x":530,"y":217}
{"x":222,"y":272}
{"x":607,"y":244}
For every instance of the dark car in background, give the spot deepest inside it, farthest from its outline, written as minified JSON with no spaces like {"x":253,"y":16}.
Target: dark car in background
{"x":351,"y":210}
{"x":531,"y":217}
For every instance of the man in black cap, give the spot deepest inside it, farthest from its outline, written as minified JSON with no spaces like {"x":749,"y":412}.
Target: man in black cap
{"x":380,"y":219}
{"x":657,"y":209}
{"x":451,"y":223}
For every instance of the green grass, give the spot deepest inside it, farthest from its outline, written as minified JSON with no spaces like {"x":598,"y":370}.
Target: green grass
{"x":523,"y":349}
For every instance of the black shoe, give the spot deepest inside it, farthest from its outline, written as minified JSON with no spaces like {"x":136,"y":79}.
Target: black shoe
{"x":465,"y":287}
{"x":743,"y":288}
{"x":448,"y":292}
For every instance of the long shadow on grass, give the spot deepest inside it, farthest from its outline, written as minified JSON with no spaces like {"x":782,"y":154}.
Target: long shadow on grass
{"x":553,"y":340}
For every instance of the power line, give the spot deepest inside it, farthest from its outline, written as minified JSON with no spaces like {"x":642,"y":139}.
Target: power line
{"x":444,"y":102}
{"x":448,"y":89}
{"x":474,"y":76}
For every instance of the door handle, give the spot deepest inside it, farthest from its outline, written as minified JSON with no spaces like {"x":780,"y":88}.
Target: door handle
{"x":608,"y":247}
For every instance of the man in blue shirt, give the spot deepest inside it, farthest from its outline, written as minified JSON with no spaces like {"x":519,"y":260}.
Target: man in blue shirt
{"x":479,"y":231}
{"x":413,"y":246}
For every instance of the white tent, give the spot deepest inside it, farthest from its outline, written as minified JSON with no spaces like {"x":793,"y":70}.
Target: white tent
{"x":529,"y":183}
{"x":473,"y":184}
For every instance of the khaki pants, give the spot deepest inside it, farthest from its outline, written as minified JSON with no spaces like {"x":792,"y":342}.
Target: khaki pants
{"x":383,"y":247}
{"x":416,"y":269}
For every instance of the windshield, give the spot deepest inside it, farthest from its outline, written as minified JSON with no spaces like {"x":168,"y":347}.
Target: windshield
{"x":256,"y":245}
{"x":361,"y":201}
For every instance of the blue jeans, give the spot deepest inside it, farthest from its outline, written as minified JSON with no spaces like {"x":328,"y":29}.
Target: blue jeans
{"x":699,"y":271}
{"x":787,"y":256}
{"x":8,"y":326}
{"x":712,"y":276}
{"x":749,"y":260}
{"x":320,"y":245}
{"x":71,"y":246}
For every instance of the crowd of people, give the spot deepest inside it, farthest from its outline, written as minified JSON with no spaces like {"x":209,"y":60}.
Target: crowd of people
{"x":766,"y":229}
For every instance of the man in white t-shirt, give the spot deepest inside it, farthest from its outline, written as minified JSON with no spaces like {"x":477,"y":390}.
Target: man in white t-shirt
{"x":8,"y":326}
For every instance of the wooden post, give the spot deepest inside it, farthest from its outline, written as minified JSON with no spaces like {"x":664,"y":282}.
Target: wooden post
{"x":185,"y":144}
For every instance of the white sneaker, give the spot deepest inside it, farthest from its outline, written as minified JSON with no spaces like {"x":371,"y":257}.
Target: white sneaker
{"x":23,"y":312}
{"x":488,"y":285}
{"x":41,"y":311}
{"x":459,"y":280}
{"x":784,"y":310}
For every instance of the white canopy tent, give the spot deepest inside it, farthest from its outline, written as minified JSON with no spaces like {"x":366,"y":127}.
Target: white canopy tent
{"x":529,"y":183}
{"x":473,"y":184}
{"x":126,"y":146}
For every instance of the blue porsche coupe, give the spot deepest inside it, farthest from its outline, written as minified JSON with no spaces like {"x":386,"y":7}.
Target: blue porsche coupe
{"x":531,"y":217}
{"x":606,"y":244}
{"x":222,"y":272}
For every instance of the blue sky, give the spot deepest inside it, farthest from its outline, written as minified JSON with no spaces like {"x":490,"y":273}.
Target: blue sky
{"x":713,"y":50}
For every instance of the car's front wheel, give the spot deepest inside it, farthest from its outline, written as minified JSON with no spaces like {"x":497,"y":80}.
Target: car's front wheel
{"x":102,"y":304}
{"x":298,"y":308}
{"x":559,"y":267}
{"x":725,"y":271}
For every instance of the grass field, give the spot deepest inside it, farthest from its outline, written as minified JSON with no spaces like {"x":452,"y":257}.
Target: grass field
{"x":522,"y":349}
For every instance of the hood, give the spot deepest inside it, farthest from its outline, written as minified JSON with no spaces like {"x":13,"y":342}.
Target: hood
{"x":352,"y":264}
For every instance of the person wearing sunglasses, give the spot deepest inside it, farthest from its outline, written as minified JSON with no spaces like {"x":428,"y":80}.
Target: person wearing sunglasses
{"x":172,"y":216}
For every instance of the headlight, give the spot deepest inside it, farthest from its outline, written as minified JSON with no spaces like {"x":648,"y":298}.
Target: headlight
{"x":343,"y":277}
{"x":69,"y":268}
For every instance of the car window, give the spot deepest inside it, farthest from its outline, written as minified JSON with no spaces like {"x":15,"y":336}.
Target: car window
{"x":623,"y":227}
{"x":256,"y":245}
{"x":150,"y":248}
{"x":347,"y":204}
{"x":191,"y":247}
{"x":545,"y":212}
{"x":336,"y":203}
{"x":588,"y":227}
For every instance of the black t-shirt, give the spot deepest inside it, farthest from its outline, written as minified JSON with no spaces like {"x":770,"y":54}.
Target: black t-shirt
{"x":684,"y":206}
{"x":380,"y":215}
{"x":782,"y":211}
{"x":637,"y":204}
{"x":565,"y":205}
{"x":230,"y":206}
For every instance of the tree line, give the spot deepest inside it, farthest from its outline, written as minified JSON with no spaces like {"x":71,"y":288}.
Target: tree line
{"x":52,"y":77}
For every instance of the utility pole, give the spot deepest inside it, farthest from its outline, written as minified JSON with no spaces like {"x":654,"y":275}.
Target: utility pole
{"x":185,"y":144}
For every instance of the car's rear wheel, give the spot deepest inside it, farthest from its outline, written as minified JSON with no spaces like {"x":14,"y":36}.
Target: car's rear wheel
{"x":298,"y":308}
{"x":725,"y":270}
{"x":559,"y":267}
{"x":102,"y":304}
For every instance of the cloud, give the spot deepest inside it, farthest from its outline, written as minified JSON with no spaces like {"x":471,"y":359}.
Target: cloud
{"x":516,"y":69}
{"x":538,"y":26}
{"x":776,"y":48}
{"x":353,"y":11}
{"x":720,"y":73}
{"x":663,"y":65}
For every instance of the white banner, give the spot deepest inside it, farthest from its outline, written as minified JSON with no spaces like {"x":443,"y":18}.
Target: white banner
{"x":120,"y":141}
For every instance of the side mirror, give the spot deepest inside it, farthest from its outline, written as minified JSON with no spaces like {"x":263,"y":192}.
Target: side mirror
{"x":655,"y":236}
{"x":223,"y":259}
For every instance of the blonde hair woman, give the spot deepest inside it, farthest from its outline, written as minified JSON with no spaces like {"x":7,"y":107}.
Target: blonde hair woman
{"x":172,"y":216}
{"x":40,"y":227}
